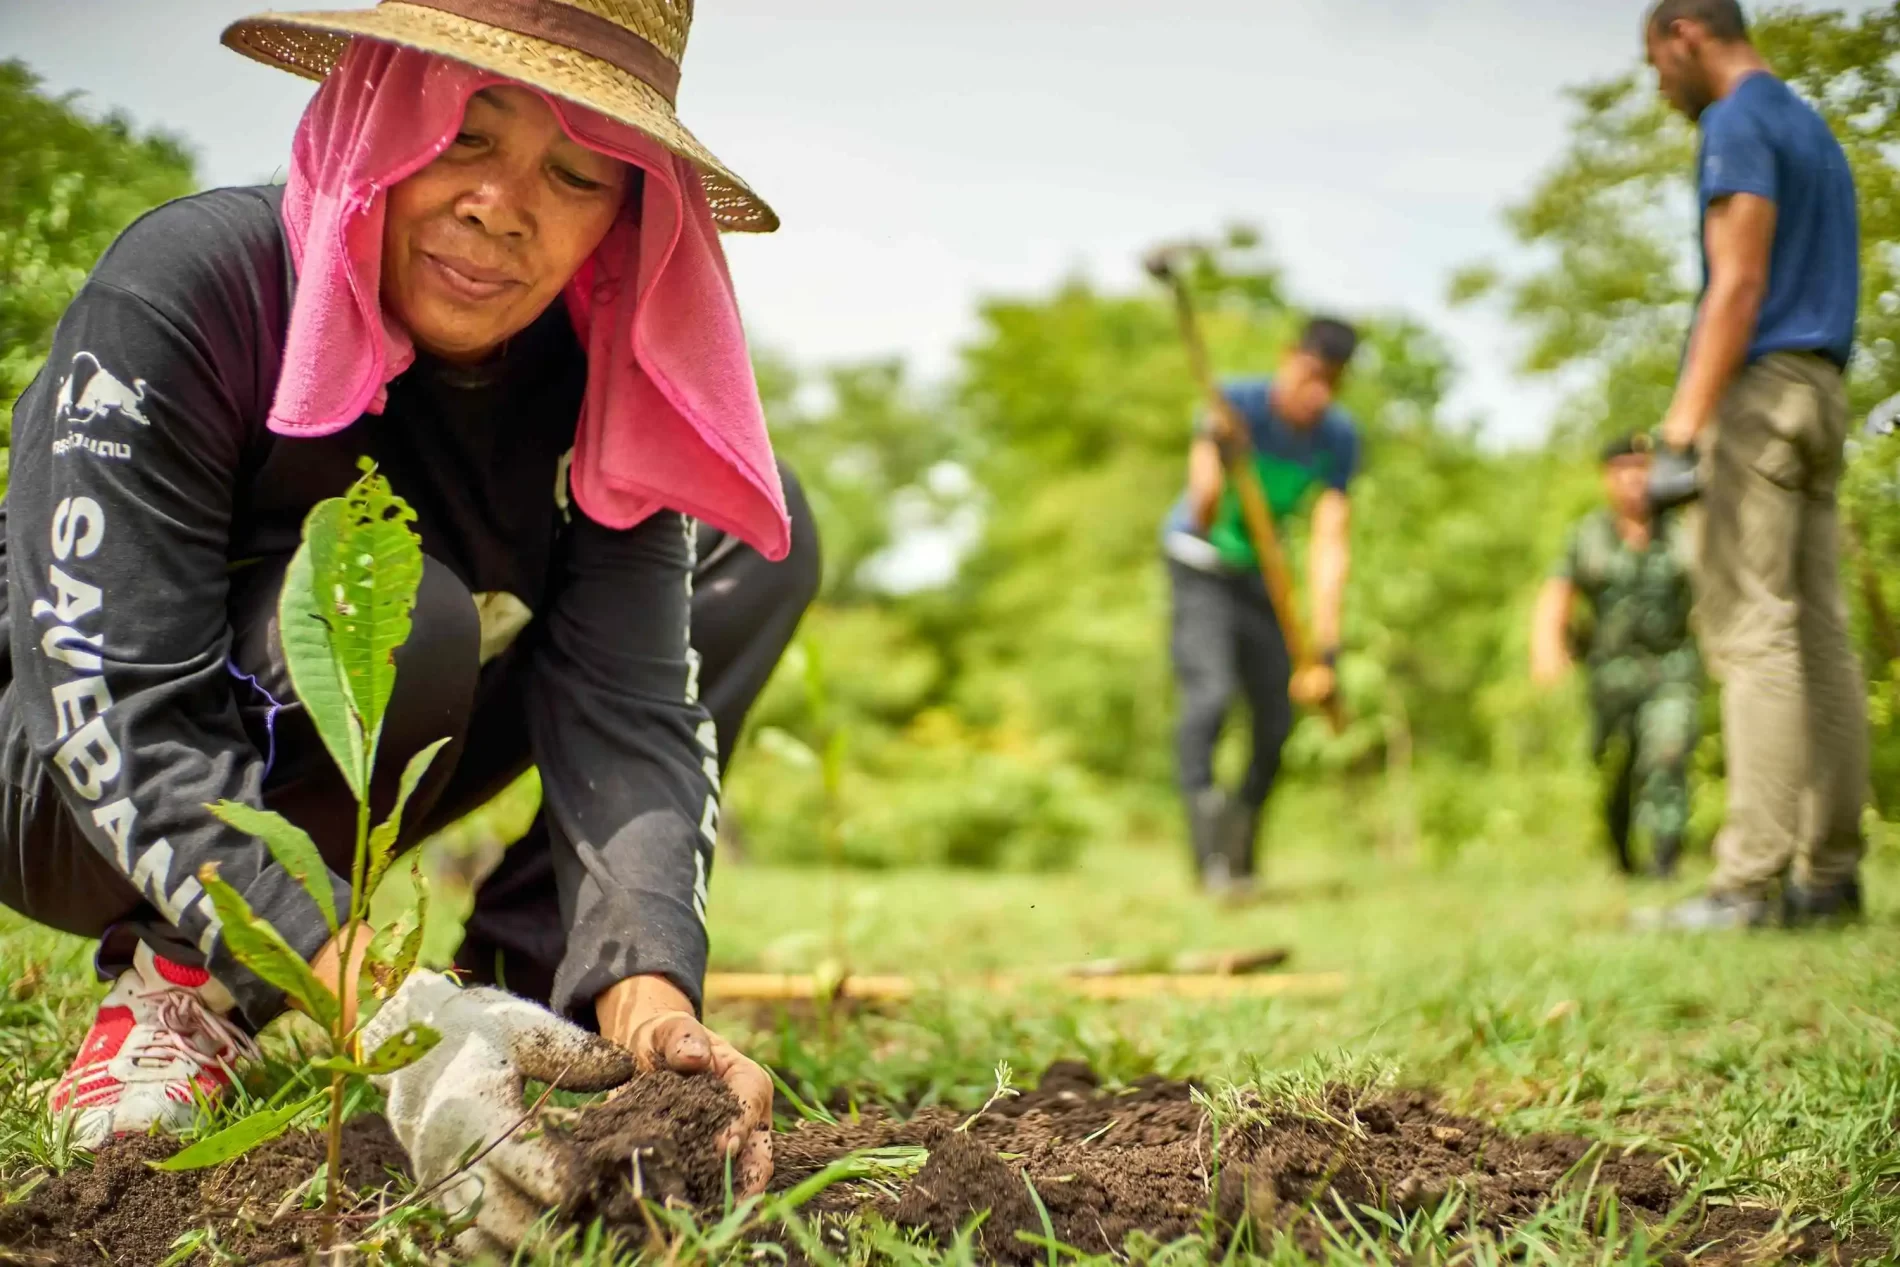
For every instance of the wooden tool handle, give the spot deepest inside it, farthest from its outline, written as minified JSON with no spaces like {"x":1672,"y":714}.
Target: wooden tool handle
{"x":1237,"y":452}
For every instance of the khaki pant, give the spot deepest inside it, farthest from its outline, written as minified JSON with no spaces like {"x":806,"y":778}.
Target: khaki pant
{"x":1773,"y":624}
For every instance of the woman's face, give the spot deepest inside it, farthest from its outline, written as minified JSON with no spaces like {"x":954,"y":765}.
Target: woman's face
{"x":477,"y":244}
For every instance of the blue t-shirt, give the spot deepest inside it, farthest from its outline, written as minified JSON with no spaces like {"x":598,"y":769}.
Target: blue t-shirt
{"x":1762,"y":139}
{"x":1293,"y":463}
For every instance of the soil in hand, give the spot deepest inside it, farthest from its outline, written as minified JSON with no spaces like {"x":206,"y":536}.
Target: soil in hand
{"x":655,"y":1140}
{"x":120,"y":1210}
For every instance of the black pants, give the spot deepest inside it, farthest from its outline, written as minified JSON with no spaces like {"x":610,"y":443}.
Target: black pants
{"x":1226,"y":642}
{"x":745,"y":611}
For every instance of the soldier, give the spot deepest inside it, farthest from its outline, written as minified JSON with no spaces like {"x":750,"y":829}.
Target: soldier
{"x":1629,"y":567}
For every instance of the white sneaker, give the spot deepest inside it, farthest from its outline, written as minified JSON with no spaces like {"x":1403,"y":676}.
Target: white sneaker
{"x":160,"y":1042}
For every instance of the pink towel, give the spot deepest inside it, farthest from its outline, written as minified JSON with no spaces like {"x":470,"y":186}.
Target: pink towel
{"x":671,"y":417}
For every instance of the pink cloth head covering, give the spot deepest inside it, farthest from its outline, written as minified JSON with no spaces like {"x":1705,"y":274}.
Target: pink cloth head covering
{"x":671,"y":418}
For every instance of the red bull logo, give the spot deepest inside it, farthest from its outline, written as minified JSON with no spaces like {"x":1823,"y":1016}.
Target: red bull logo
{"x":91,"y":391}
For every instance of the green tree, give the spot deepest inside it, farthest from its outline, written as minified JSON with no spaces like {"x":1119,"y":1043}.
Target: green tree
{"x":871,"y":452}
{"x":68,"y":185}
{"x":1085,"y":404}
{"x":985,"y":716}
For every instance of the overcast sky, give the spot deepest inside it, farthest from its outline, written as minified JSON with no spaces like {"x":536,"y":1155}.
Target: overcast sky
{"x":924,"y":154}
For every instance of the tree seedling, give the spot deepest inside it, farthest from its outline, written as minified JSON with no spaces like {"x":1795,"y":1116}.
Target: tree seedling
{"x":345,"y":608}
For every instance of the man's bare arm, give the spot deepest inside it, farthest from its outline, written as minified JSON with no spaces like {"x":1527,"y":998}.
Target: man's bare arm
{"x":1550,"y":622}
{"x":1329,"y":560}
{"x":1739,"y":237}
{"x":1206,"y":479}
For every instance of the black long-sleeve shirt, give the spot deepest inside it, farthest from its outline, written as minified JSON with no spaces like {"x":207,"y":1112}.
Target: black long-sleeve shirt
{"x":143,"y":474}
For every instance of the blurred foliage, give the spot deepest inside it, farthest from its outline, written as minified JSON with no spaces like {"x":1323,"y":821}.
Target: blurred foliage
{"x":1607,"y":300}
{"x":68,"y":184}
{"x":994,"y":689}
{"x":1025,"y":706}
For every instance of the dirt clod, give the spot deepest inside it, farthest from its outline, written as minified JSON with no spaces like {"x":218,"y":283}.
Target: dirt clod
{"x":962,"y":1179}
{"x":655,"y":1140}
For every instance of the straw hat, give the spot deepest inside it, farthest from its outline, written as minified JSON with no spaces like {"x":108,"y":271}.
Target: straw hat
{"x":620,"y":58}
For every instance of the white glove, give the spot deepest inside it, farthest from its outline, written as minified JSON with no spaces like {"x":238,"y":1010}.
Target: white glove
{"x":467,"y":1093}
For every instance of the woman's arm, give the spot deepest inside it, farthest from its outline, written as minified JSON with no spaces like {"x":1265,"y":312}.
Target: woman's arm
{"x":628,"y":759}
{"x":630,"y":773}
{"x":125,"y":453}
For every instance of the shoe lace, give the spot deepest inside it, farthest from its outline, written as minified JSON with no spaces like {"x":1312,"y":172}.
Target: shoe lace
{"x":165,"y":1049}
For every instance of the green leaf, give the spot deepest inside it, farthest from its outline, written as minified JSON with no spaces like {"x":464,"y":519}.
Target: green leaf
{"x":397,"y":946}
{"x":259,"y":947}
{"x":412,"y":944}
{"x":382,"y":841}
{"x":1473,"y":282}
{"x":240,"y":1137}
{"x":366,"y":565}
{"x":398,"y":1051}
{"x":313,"y":668}
{"x":291,"y":846}
{"x":378,"y":978}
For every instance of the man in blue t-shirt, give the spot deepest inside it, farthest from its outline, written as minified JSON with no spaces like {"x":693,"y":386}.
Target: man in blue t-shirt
{"x":1760,"y":398}
{"x":1225,"y":639}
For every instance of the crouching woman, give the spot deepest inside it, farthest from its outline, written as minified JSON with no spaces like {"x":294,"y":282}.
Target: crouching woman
{"x":494,"y":269}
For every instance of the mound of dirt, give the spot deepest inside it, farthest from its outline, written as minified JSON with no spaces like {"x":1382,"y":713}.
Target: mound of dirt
{"x":1107,"y":1164}
{"x":120,"y":1210}
{"x":1099,"y":1164}
{"x":653,"y":1141}
{"x":962,"y":1179}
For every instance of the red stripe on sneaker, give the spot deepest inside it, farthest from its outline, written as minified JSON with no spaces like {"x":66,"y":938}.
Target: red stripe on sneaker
{"x":109,"y":1031}
{"x":180,"y":973}
{"x":86,"y":1094}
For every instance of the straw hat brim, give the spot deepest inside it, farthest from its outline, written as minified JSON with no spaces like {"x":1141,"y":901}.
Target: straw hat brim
{"x":309,"y":44}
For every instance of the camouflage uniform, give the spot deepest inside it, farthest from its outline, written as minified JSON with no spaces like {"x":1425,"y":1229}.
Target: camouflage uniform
{"x":1645,"y":677}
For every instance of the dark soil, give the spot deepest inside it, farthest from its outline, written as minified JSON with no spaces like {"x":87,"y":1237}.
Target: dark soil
{"x":654,"y":1141}
{"x":1106,"y":1164}
{"x":1102,"y":1165}
{"x":121,"y":1211}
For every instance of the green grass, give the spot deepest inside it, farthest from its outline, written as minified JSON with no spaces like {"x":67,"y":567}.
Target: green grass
{"x":1767,"y":1065}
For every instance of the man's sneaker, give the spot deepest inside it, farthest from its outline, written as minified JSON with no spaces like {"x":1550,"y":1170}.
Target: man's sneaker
{"x":159,"y":1043}
{"x":1823,"y":904}
{"x":1711,"y":912}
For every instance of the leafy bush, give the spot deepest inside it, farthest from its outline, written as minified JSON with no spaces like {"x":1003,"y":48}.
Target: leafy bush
{"x":920,"y":799}
{"x":68,"y":185}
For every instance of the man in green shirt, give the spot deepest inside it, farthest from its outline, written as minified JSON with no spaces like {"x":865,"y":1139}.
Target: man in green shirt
{"x":1629,"y":568}
{"x":1226,"y":639}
